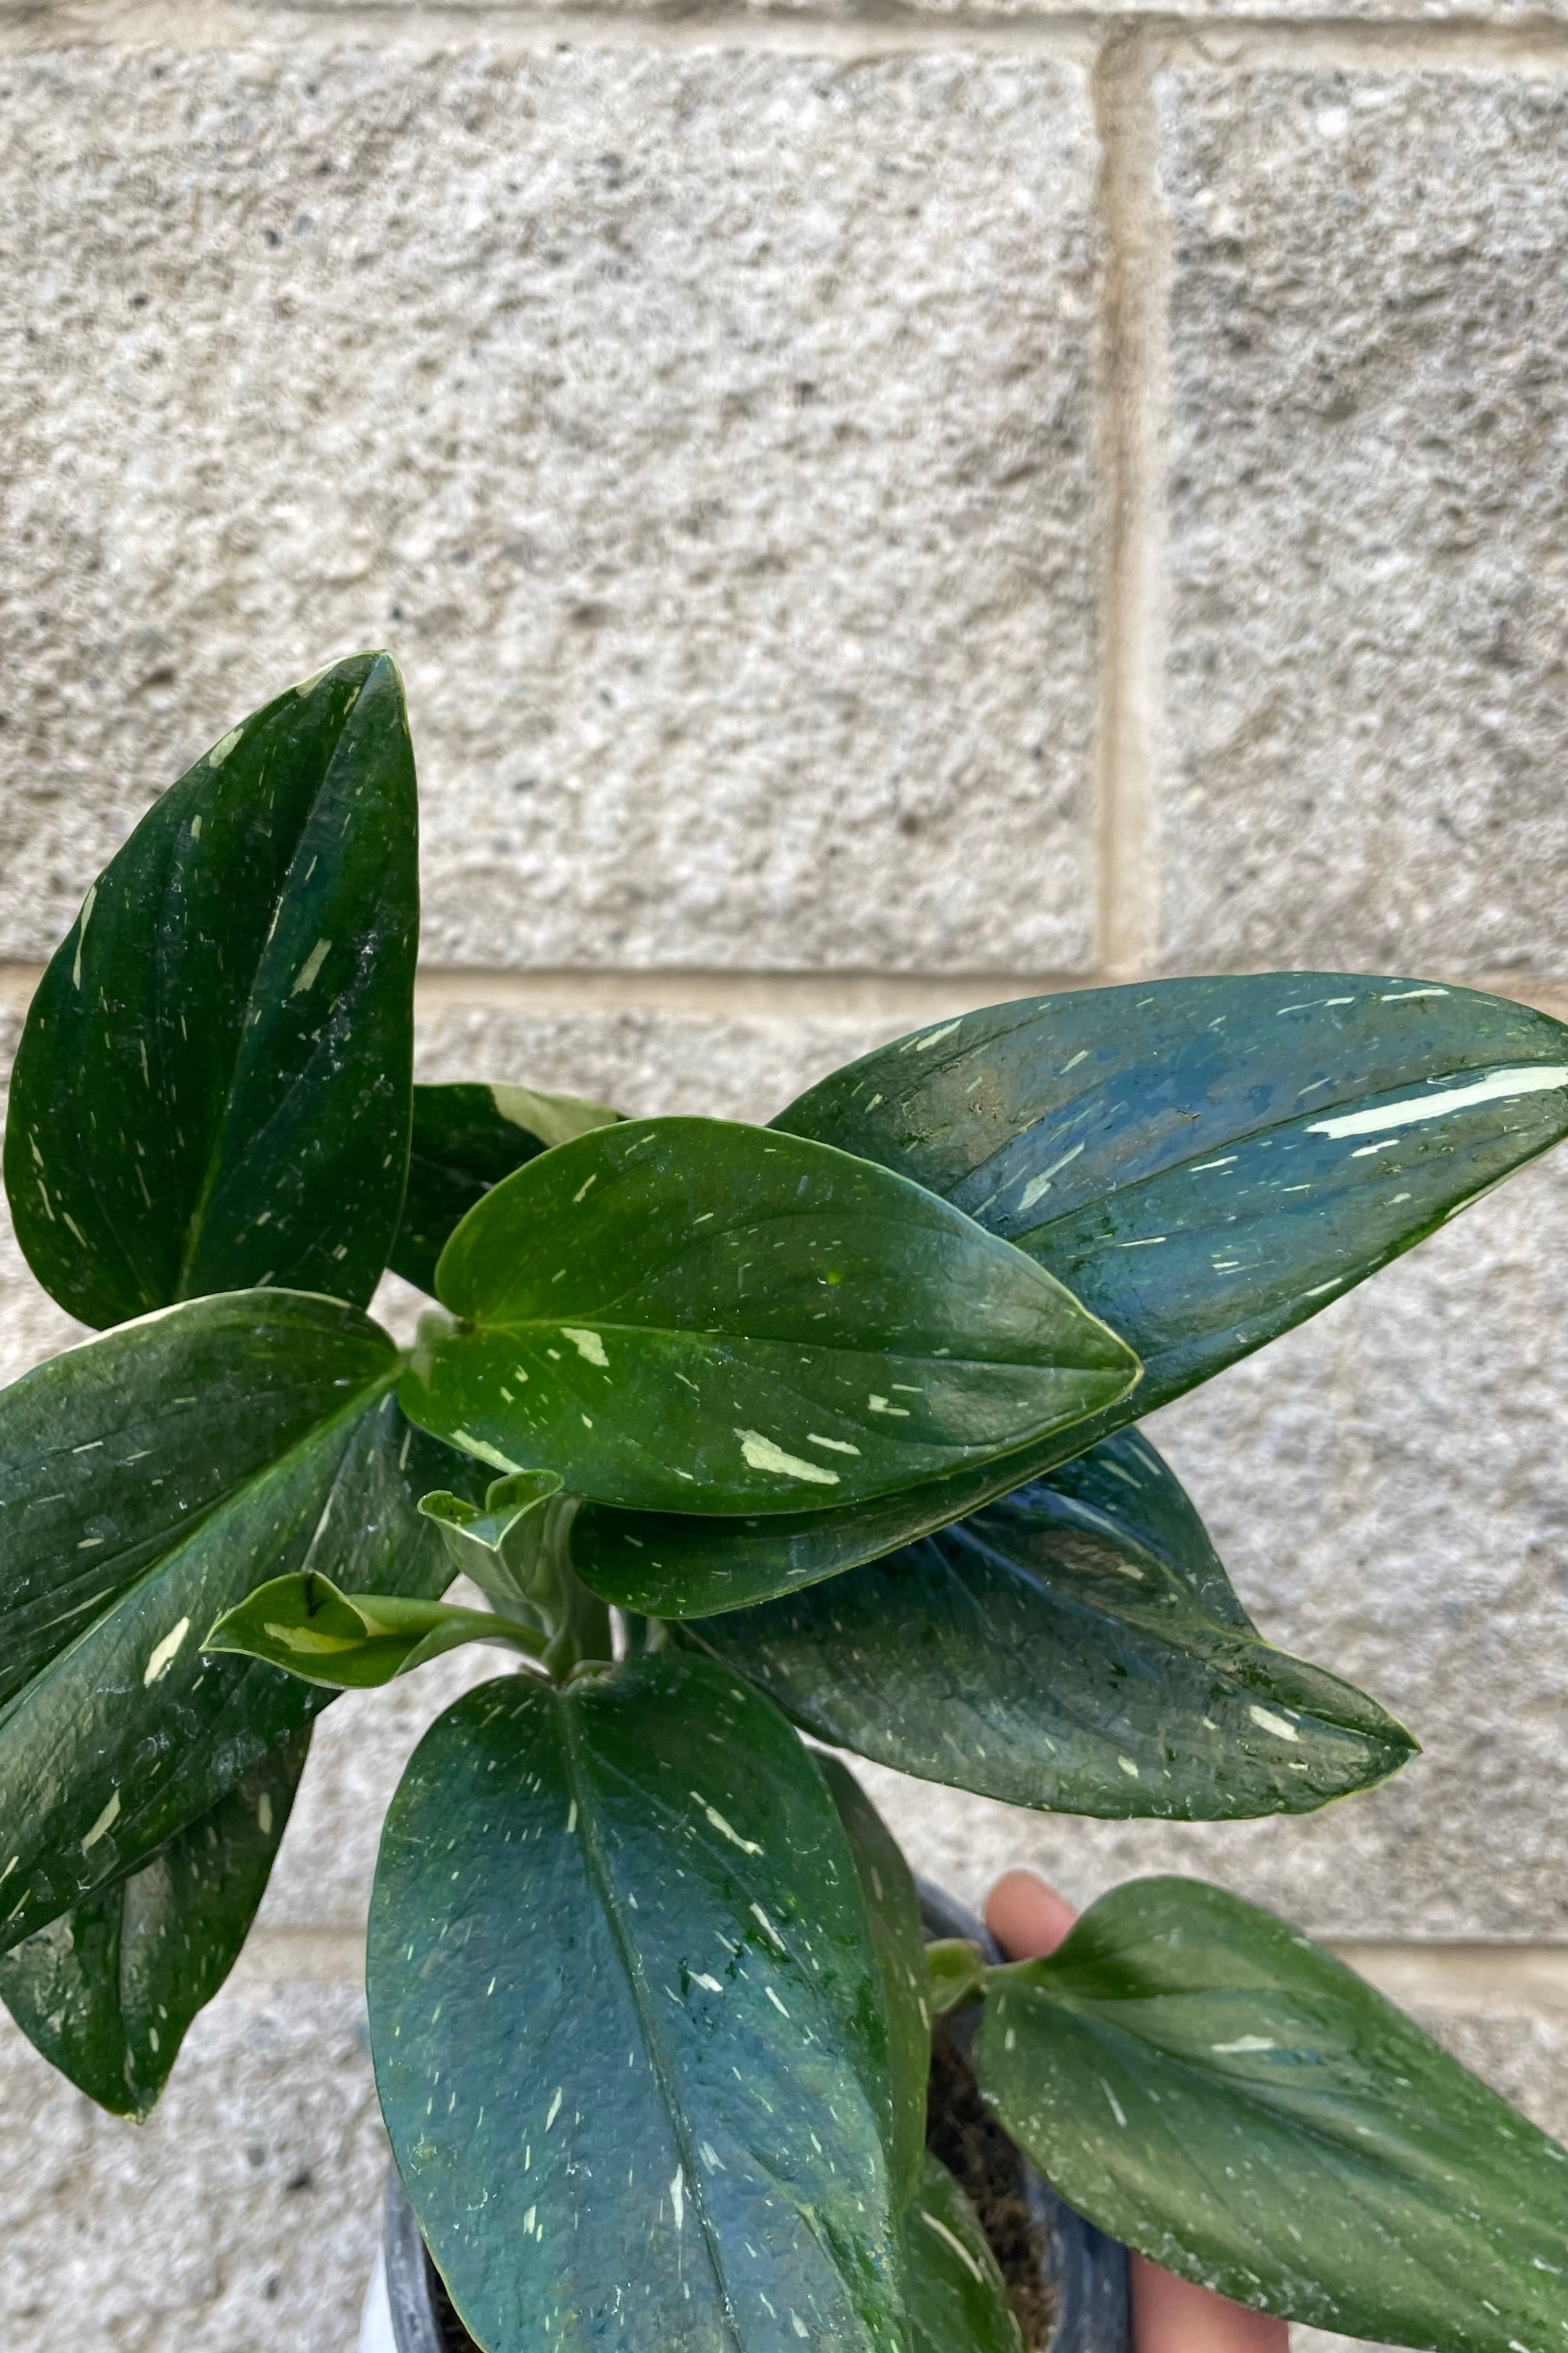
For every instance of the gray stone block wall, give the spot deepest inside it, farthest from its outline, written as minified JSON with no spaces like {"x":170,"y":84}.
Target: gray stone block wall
{"x":877,"y":515}
{"x":746,"y":586}
{"x":1368,"y":521}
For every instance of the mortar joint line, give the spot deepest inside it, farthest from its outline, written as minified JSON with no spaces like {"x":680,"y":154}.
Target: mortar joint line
{"x":1130,"y":436}
{"x":1534,"y":44}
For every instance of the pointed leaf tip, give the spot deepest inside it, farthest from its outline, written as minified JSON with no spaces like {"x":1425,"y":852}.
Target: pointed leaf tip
{"x":1075,"y":1646}
{"x":1160,"y":1148}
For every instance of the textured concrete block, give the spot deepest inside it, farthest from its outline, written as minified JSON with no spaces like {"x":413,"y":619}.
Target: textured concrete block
{"x":242,"y":2219}
{"x":708,"y":434}
{"x":100,"y":20}
{"x":644,"y":1062}
{"x":1385,"y":1485}
{"x":1369,"y":337}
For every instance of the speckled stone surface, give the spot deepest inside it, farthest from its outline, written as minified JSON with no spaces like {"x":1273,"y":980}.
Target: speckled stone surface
{"x":745,"y":584}
{"x":644,"y":1062}
{"x":1368,"y":521}
{"x":241,"y":2218}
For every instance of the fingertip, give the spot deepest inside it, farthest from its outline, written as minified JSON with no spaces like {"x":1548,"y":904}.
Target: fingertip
{"x":1172,"y":2316}
{"x":1028,"y":1918}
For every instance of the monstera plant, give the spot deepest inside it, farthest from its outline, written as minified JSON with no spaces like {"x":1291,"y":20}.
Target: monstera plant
{"x":742,"y":1434}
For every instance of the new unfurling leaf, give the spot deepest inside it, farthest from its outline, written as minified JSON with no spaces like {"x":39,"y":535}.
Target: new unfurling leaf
{"x":354,"y":1642}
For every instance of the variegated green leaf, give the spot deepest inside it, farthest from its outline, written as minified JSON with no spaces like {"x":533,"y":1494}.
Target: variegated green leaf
{"x":692,"y":1315}
{"x":212,"y":1090}
{"x":150,"y":1478}
{"x":1207,"y":2085}
{"x":107,"y":1991}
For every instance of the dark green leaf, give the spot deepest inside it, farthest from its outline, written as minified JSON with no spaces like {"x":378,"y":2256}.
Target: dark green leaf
{"x":466,"y":1139}
{"x":657,"y":2114}
{"x":1176,"y":1153}
{"x":147,"y":1480}
{"x":958,"y":2298}
{"x":354,"y":1642}
{"x":894,"y":1910}
{"x":212,"y":1090}
{"x":956,"y":1968}
{"x":685,"y":1313}
{"x":107,"y":1991}
{"x":1075,"y":1647}
{"x":1207,"y":2085}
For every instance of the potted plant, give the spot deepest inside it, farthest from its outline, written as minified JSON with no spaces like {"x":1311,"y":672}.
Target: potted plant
{"x":741,"y":1434}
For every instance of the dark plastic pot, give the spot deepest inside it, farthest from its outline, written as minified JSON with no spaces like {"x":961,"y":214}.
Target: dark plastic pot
{"x":1082,"y":2274}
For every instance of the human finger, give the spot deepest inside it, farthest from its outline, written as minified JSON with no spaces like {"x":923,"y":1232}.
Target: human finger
{"x":1172,"y":2316}
{"x":1028,"y":1918}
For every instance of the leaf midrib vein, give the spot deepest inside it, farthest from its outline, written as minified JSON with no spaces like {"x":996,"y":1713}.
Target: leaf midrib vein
{"x":659,"y":2058}
{"x":192,"y":1239}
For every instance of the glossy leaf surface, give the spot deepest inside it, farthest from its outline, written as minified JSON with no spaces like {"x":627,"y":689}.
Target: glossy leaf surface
{"x":1075,"y":1647}
{"x":147,"y":1480}
{"x":1207,"y":2085}
{"x":354,"y":1641}
{"x":958,"y":2298}
{"x":659,"y":2117}
{"x":1204,"y":1162}
{"x":212,"y":1090}
{"x":466,"y":1139}
{"x":689,"y":1314}
{"x":107,"y":1991}
{"x":894,"y":1911}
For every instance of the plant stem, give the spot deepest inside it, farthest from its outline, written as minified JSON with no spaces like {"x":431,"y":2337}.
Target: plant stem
{"x":578,"y":1622}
